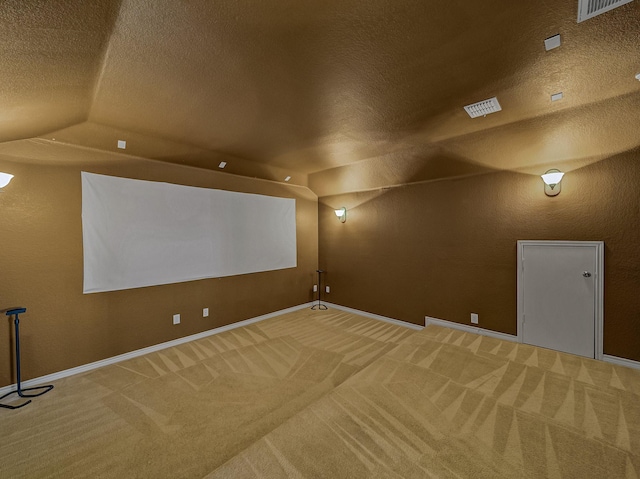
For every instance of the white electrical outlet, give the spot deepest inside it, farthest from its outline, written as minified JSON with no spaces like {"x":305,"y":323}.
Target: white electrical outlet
{"x":315,"y":288}
{"x":327,"y":289}
{"x":474,"y":318}
{"x":205,"y":312}
{"x":176,"y":319}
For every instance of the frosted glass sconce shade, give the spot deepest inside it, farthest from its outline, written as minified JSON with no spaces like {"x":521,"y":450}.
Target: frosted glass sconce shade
{"x":341,"y":214}
{"x":552,"y":179}
{"x":5,"y":178}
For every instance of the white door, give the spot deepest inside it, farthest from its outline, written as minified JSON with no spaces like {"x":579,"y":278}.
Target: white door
{"x":560,"y":286}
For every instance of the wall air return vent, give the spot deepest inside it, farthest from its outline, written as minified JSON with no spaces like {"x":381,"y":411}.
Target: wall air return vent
{"x":483,"y":108}
{"x":591,"y":8}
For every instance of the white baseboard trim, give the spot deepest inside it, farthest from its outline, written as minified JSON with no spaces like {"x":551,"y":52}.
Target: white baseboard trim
{"x":629,"y":363}
{"x":147,"y":350}
{"x":397,"y":322}
{"x":158,"y":347}
{"x":470,"y":329}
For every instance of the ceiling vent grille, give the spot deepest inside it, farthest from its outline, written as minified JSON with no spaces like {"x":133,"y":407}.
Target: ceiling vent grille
{"x":591,"y":8}
{"x":483,"y":108}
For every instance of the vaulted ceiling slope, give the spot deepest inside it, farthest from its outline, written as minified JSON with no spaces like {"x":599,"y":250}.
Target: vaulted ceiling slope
{"x":322,"y":91}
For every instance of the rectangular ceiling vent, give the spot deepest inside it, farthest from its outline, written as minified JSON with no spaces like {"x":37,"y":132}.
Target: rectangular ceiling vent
{"x":592,"y":8}
{"x":483,"y":108}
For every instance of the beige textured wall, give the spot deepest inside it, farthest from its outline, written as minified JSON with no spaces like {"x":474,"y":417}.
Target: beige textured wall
{"x":448,"y":248}
{"x":41,"y":265}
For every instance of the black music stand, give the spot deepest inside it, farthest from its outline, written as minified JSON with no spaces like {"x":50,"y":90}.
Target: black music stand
{"x":319,"y":306}
{"x":21,"y":391}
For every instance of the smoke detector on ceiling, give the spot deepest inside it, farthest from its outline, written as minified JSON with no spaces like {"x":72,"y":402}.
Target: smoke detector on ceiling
{"x":592,"y":8}
{"x":483,"y":108}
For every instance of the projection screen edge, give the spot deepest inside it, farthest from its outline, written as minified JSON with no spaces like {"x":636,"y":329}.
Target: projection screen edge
{"x":139,"y":233}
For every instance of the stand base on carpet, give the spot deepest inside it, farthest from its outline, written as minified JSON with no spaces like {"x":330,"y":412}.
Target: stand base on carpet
{"x":20,"y":391}
{"x":319,"y":306}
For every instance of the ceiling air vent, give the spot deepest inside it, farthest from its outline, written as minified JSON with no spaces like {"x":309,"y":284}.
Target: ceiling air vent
{"x":483,"y":108}
{"x":592,"y":8}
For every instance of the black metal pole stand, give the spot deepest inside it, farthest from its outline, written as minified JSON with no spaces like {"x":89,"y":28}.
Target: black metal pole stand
{"x":319,"y":306}
{"x":20,"y":391}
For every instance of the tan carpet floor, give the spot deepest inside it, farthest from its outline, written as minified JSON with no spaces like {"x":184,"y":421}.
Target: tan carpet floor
{"x":336,"y":395}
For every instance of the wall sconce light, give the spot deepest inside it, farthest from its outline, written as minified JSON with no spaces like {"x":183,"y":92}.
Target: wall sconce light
{"x":552,"y":179}
{"x":341,"y":214}
{"x":5,"y":178}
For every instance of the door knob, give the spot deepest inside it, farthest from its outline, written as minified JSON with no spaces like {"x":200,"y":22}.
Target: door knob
{"x":586,"y":274}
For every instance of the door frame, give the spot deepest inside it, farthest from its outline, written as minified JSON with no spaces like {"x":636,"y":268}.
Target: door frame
{"x":598,"y":284}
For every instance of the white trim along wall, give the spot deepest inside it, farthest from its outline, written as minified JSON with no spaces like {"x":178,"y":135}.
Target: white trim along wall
{"x":398,"y":322}
{"x":470,"y":329}
{"x":139,"y":352}
{"x":150,"y":349}
{"x":629,"y":363}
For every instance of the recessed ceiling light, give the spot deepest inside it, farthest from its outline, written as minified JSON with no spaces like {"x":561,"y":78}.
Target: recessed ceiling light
{"x":222,"y":164}
{"x":552,"y":42}
{"x":556,"y":96}
{"x":287,"y":178}
{"x":122,"y":144}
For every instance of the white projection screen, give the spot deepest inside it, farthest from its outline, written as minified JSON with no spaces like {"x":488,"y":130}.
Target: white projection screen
{"x":142,"y":233}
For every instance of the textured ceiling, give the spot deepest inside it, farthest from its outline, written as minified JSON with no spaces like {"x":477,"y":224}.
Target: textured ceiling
{"x":338,"y":94}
